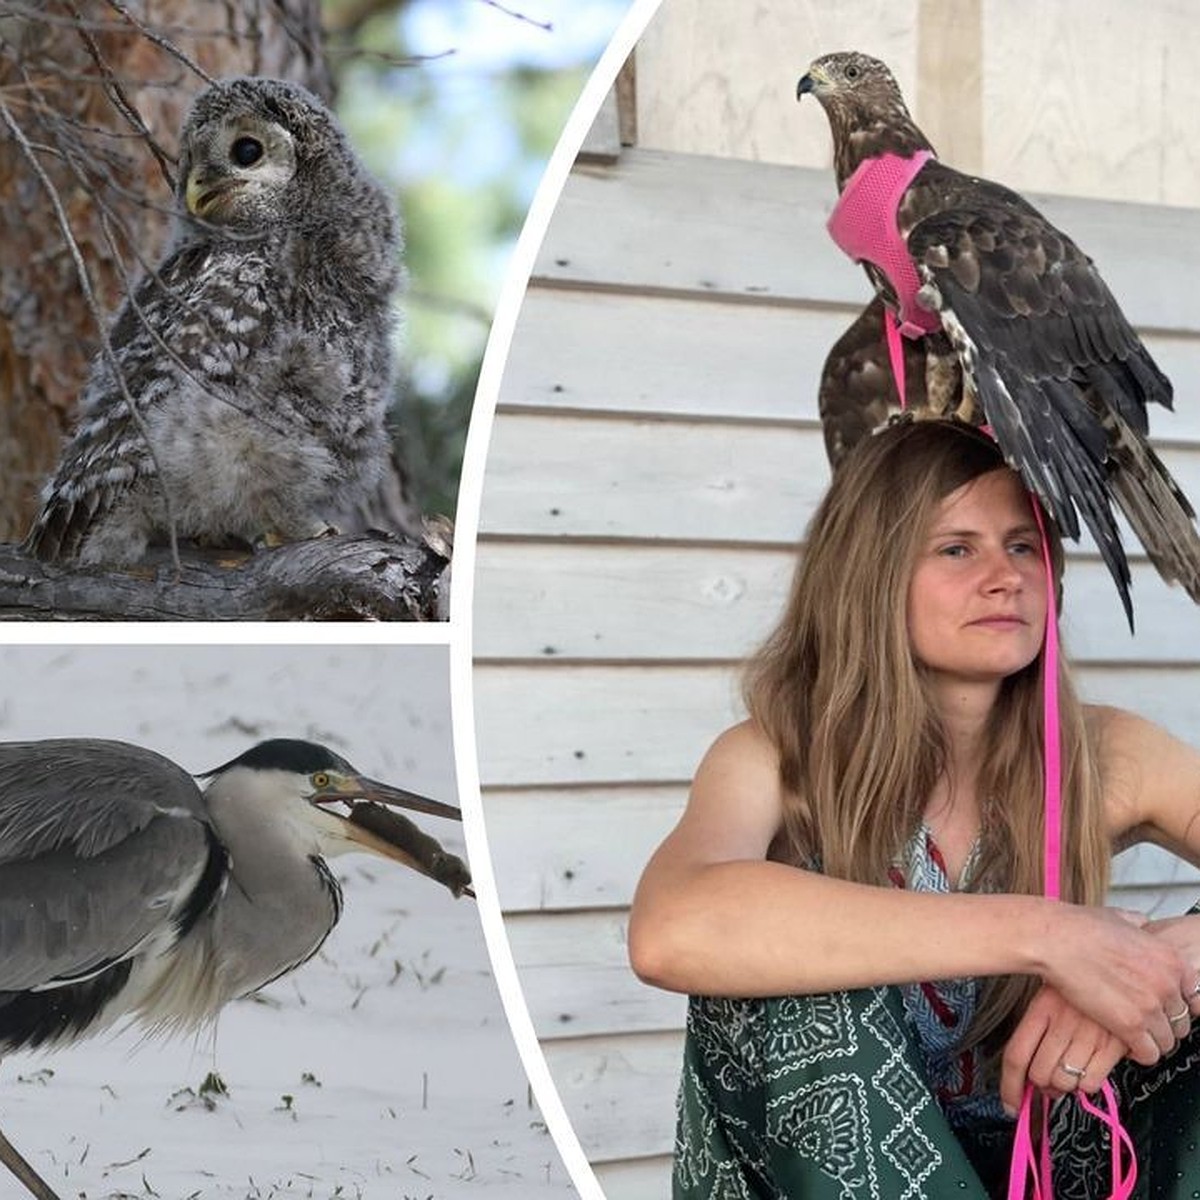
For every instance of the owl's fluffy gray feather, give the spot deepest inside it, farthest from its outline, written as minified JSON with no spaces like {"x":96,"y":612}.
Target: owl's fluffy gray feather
{"x":258,"y":352}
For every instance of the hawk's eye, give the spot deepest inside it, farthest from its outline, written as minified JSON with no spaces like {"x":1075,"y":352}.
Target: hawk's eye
{"x":852,"y":72}
{"x":246,"y":151}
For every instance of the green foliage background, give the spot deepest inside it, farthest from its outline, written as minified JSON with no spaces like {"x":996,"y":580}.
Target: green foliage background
{"x":463,"y":147}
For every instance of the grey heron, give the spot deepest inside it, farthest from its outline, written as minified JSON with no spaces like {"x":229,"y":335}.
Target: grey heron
{"x":127,"y":892}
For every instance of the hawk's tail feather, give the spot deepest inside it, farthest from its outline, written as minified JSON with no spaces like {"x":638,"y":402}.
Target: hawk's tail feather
{"x":1053,"y":446}
{"x":1156,"y":508}
{"x":1126,"y":386}
{"x":1105,"y":340}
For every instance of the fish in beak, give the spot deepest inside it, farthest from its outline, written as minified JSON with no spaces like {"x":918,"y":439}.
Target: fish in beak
{"x":371,"y":823}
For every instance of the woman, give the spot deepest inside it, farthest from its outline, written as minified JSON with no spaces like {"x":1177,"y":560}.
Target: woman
{"x":878,"y":821}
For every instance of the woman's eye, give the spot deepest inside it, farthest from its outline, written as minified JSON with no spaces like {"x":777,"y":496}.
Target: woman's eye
{"x":246,"y":151}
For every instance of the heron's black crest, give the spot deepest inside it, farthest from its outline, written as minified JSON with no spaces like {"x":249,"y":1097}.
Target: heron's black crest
{"x":285,"y":754}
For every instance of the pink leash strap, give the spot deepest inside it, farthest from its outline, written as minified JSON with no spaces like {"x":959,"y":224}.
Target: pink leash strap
{"x":1025,"y":1163}
{"x":1030,"y":1167}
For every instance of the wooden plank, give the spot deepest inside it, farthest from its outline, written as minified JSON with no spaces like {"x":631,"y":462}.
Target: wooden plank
{"x":603,"y":138}
{"x":583,"y":476}
{"x":603,"y":724}
{"x":676,"y":355}
{"x":1147,"y":866}
{"x":1044,"y":126}
{"x":714,"y":82}
{"x":695,"y":357}
{"x":1169,"y":696}
{"x":557,"y":850}
{"x":643,"y":478}
{"x":722,"y":227}
{"x":718,"y":603}
{"x":705,"y":225}
{"x":659,"y":602}
{"x":636,"y":1179}
{"x":619,"y":1091}
{"x":575,"y":974}
{"x":1156,"y":902}
{"x":541,"y":725}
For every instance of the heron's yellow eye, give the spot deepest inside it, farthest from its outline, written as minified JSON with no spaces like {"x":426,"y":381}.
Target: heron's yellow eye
{"x":320,"y":780}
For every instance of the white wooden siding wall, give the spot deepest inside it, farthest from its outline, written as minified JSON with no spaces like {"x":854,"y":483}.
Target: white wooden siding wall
{"x":656,"y":455}
{"x":1018,"y":90}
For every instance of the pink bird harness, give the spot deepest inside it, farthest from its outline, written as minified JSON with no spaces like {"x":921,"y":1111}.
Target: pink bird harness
{"x":864,"y":225}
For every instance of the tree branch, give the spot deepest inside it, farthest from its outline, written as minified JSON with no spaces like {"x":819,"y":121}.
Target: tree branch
{"x":346,"y":577}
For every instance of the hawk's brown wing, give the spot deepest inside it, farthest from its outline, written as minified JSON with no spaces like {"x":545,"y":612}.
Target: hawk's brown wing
{"x":858,"y":390}
{"x":1063,"y":379}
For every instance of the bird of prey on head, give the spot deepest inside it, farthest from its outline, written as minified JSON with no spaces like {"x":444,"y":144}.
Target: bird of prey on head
{"x":1012,"y":327}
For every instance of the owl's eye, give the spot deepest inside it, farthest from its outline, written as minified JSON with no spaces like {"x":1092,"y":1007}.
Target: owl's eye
{"x":246,"y":151}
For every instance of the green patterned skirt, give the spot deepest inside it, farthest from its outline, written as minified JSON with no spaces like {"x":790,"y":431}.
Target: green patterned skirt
{"x":823,"y":1098}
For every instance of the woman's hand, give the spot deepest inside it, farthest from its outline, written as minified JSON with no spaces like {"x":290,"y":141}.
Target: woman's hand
{"x":1116,"y":970}
{"x":1058,"y":1049}
{"x":1184,"y":934}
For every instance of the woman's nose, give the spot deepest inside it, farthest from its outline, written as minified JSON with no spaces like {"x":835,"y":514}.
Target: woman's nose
{"x":1001,"y":572}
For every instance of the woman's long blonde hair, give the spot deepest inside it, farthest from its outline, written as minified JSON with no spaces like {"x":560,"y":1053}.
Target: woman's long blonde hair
{"x":861,"y":746}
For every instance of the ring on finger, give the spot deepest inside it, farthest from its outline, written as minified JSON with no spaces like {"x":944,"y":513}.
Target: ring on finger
{"x":1074,"y":1072}
{"x":1180,"y":1016}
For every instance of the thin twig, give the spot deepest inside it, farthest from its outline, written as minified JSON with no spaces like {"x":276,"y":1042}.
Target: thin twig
{"x":121,"y":102}
{"x":548,"y":26}
{"x":163,"y":43}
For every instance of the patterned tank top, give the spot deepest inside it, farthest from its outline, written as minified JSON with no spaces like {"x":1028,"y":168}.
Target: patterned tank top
{"x":940,"y":1012}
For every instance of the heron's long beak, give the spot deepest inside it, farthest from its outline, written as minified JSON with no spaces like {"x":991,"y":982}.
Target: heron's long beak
{"x":371,"y":825}
{"x":347,"y":788}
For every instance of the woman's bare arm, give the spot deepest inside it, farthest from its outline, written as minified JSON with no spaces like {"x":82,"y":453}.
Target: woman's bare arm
{"x":712,"y":916}
{"x":1153,"y":791}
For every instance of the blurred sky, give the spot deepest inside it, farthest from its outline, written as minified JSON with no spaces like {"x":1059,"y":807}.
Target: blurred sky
{"x":466,"y":46}
{"x":489,"y":37}
{"x":470,"y":42}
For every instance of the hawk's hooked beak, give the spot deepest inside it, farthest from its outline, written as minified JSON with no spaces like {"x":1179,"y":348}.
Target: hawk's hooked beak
{"x":811,"y":81}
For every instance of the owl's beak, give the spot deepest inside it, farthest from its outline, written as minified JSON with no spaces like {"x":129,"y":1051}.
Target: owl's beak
{"x":203,"y":195}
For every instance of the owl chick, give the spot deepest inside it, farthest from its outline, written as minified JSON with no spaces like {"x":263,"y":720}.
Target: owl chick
{"x":257,"y":353}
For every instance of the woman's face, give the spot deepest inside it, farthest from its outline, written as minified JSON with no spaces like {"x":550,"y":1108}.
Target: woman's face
{"x":977,"y":598}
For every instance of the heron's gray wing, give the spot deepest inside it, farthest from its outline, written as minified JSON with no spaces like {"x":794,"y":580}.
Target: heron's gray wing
{"x":102,"y":849}
{"x":84,"y":795}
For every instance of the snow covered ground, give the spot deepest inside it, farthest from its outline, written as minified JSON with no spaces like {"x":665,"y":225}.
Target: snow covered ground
{"x":383,"y":1068}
